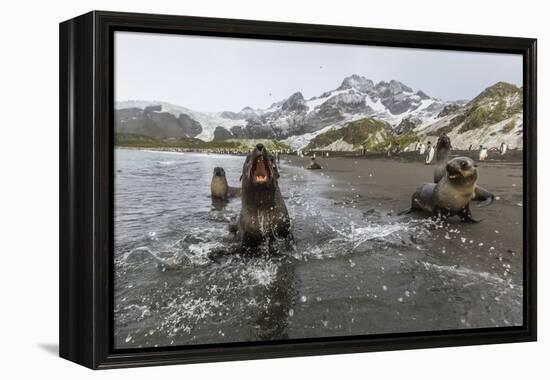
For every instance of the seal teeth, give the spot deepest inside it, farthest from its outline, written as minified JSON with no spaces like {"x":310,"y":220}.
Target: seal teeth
{"x":261,"y":170}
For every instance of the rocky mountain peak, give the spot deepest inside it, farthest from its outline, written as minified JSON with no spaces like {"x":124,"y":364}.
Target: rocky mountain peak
{"x":393,"y":87}
{"x":295,"y":102}
{"x":357,"y":82}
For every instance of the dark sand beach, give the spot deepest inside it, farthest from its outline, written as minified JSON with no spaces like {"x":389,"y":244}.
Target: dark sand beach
{"x":385,"y":186}
{"x":442,"y":261}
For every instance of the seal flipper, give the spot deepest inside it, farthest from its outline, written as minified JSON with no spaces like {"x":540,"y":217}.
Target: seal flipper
{"x":483,"y":196}
{"x":416,"y":203}
{"x":414,"y":206}
{"x":406,"y":211}
{"x":466,"y":215}
{"x":233,"y":227}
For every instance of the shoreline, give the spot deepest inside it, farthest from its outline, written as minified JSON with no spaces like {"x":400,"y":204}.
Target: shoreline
{"x":511,"y":156}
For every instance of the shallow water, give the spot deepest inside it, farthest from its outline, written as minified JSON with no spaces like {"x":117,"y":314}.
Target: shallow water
{"x":355,"y":269}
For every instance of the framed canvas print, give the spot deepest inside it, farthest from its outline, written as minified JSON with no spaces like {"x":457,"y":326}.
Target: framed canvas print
{"x":237,"y":189}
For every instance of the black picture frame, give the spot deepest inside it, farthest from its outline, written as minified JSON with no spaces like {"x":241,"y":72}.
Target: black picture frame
{"x":86,"y":188}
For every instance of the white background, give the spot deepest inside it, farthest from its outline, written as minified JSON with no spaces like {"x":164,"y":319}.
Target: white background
{"x":29,"y":187}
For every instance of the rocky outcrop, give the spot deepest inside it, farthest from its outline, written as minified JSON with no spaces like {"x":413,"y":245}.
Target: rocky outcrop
{"x":190,"y":126}
{"x":220,"y":134}
{"x":151,"y":121}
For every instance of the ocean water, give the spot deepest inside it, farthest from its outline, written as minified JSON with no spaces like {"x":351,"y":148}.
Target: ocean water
{"x":353,"y":270}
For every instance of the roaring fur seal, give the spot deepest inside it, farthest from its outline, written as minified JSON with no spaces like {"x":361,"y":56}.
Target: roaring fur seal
{"x":219,"y":187}
{"x":442,"y":152}
{"x":453,"y":193}
{"x":264,"y":216}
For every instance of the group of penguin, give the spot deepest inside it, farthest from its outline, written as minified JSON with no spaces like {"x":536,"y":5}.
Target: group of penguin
{"x":429,"y":151}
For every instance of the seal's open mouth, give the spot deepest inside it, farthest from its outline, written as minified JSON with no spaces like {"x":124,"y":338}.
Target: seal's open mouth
{"x":260,"y":171}
{"x":453,"y":172}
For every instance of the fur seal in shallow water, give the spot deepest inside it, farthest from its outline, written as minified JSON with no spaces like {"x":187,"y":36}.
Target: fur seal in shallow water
{"x":453,"y":193}
{"x":442,"y":152}
{"x":264,"y":216}
{"x":219,"y":187}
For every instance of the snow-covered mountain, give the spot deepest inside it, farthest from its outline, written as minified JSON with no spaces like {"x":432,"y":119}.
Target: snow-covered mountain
{"x":355,"y":98}
{"x":297,"y":120}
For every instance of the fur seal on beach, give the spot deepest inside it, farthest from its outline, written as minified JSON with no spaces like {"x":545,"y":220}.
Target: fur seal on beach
{"x":264,"y":216}
{"x":453,"y":193}
{"x":219,"y":187}
{"x":442,"y":152}
{"x":314,"y":165}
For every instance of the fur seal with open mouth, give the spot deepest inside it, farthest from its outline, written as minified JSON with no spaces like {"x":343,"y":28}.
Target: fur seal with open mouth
{"x":453,"y":193}
{"x":442,"y":152}
{"x":264,"y":216}
{"x":219,"y":187}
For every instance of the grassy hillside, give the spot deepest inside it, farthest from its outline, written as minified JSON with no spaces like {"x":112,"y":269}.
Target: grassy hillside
{"x":499,"y":102}
{"x":371,"y":133}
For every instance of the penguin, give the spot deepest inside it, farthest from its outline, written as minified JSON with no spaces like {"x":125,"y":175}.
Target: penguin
{"x":503,"y":148}
{"x":483,"y":153}
{"x":422,"y":149}
{"x":430,"y":153}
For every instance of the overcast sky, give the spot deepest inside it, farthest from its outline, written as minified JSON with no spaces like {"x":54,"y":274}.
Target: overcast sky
{"x":217,"y":74}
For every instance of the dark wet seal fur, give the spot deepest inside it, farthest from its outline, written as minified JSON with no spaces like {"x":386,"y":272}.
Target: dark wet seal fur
{"x":453,"y":193}
{"x":442,"y":152}
{"x":264,"y":216}
{"x":219,"y":187}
